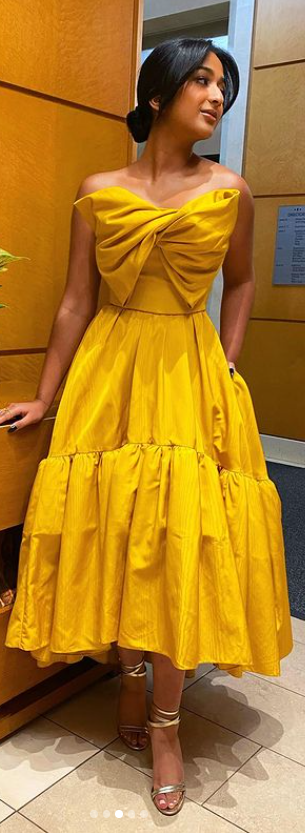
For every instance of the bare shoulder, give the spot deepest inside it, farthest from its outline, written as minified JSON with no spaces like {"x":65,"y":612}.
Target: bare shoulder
{"x":231,"y":179}
{"x":103,"y":179}
{"x":222,"y":177}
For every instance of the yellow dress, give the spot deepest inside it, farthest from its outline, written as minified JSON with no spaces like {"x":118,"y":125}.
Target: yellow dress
{"x":152,"y":522}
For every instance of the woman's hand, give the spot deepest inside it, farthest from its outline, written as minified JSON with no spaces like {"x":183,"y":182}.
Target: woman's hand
{"x":21,"y":414}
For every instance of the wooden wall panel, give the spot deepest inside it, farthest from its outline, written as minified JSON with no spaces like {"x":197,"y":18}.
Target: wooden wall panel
{"x":44,"y":163}
{"x":21,"y":369}
{"x":68,"y":75}
{"x":15,"y":367}
{"x":279,"y":32}
{"x":68,"y":72}
{"x":272,"y":359}
{"x":275,"y":150}
{"x":16,"y":665}
{"x":273,"y":301}
{"x":273,"y":365}
{"x":78,"y":51}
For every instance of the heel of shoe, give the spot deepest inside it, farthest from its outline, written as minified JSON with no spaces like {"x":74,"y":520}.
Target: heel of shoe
{"x":164,"y":719}
{"x":138,"y":670}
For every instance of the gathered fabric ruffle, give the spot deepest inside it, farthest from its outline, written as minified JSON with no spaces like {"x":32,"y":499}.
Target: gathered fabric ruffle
{"x":153,"y":547}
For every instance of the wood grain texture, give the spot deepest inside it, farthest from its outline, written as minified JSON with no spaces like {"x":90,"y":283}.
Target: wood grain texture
{"x":16,"y":665}
{"x":272,"y":362}
{"x":44,"y":164}
{"x":272,"y":358}
{"x":280,"y":32}
{"x":68,"y":77}
{"x":275,"y":146}
{"x":46,"y":692}
{"x":78,"y":51}
{"x":273,"y":301}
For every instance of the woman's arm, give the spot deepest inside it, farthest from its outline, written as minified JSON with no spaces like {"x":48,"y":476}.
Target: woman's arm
{"x":238,"y":278}
{"x":77,"y":306}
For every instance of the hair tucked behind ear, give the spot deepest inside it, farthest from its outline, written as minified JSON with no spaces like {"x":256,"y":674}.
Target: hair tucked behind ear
{"x":166,"y":68}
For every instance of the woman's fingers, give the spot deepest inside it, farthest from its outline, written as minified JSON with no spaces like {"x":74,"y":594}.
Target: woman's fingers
{"x":10,"y":413}
{"x":20,"y":414}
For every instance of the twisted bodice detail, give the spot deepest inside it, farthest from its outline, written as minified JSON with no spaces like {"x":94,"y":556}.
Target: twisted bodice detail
{"x":191,"y":241}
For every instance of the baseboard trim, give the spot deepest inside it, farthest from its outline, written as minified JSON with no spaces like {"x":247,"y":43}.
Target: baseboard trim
{"x":283,"y":450}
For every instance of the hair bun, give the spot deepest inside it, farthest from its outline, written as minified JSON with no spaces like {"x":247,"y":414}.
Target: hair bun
{"x":139,"y":122}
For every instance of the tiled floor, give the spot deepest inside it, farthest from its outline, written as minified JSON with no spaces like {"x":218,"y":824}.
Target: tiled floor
{"x":243,"y":744}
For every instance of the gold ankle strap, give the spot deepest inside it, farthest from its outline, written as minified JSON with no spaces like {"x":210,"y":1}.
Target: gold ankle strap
{"x":163,"y":717}
{"x":134,"y":670}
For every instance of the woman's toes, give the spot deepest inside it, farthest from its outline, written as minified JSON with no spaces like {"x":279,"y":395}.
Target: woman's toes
{"x":161,"y":801}
{"x":164,"y":800}
{"x":173,"y":800}
{"x":136,"y":740}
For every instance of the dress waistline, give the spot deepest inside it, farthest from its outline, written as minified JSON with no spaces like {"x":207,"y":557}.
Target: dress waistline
{"x":156,"y":295}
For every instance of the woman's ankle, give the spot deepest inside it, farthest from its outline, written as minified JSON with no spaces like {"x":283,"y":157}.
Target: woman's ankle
{"x":130,"y":656}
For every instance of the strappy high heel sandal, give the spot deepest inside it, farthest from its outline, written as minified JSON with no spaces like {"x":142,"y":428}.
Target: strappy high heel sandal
{"x":163,"y":721}
{"x":134,"y":671}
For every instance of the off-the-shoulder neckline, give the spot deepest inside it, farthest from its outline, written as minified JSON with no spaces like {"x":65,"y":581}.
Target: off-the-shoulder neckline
{"x":151,"y":204}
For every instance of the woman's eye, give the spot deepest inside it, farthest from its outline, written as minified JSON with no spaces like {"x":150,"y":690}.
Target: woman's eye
{"x":201,"y":78}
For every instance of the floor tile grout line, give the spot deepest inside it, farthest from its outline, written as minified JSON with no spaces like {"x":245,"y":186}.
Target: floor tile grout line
{"x":117,"y":758}
{"x":257,"y":677}
{"x":71,"y":732}
{"x":283,"y":687}
{"x":220,"y":725}
{"x":27,"y":803}
{"x":223,"y":818}
{"x":245,"y":737}
{"x":141,"y":772}
{"x":204,"y":674}
{"x":281,"y":755}
{"x":7,"y":805}
{"x":98,"y":748}
{"x":61,"y":726}
{"x":104,"y":748}
{"x":33,"y":822}
{"x":232,"y":775}
{"x":189,"y":798}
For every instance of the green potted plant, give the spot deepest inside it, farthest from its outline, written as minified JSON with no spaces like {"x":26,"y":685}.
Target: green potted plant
{"x":5,"y":259}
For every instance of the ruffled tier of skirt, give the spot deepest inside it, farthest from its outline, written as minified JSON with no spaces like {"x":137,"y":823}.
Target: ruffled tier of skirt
{"x":152,"y":547}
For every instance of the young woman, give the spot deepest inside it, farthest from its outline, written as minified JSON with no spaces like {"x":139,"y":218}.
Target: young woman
{"x":152,"y":524}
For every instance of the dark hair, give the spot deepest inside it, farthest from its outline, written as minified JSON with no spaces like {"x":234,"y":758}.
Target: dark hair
{"x":165,"y":70}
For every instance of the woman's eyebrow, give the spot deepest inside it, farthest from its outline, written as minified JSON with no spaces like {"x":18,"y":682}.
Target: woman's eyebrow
{"x":208,"y":69}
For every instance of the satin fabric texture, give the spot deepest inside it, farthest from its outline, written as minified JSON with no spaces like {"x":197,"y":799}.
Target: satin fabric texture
{"x":152,"y":523}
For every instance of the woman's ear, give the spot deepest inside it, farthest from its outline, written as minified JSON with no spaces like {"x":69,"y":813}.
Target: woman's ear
{"x":155,"y":103}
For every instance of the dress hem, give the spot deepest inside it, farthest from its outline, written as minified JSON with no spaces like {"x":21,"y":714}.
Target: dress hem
{"x":110,"y":656}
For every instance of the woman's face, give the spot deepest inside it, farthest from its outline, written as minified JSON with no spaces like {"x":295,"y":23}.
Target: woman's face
{"x":203,"y":91}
